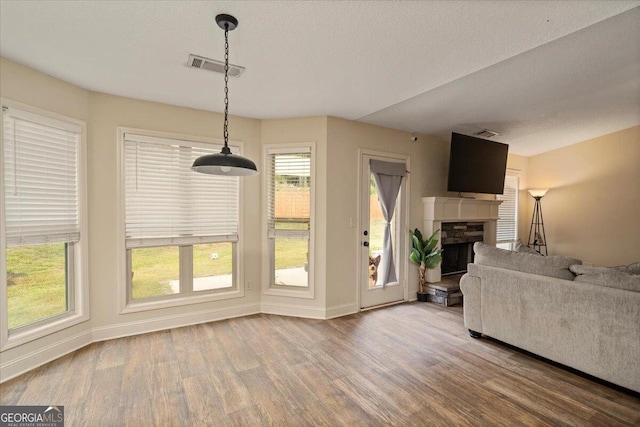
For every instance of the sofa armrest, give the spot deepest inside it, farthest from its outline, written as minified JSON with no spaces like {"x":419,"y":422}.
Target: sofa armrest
{"x":472,"y":307}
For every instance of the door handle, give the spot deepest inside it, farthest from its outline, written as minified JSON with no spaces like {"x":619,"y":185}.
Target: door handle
{"x":365,"y":243}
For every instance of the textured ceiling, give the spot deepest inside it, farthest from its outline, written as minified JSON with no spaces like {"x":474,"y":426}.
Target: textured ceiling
{"x":542,"y":73}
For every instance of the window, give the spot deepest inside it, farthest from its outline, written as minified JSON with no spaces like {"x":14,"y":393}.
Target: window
{"x":181,"y":227}
{"x":289,"y":217}
{"x":507,"y":230}
{"x":42,"y":222}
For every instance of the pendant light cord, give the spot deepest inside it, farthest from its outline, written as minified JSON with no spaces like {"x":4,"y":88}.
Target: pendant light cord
{"x":225,"y":163}
{"x":226,"y":149}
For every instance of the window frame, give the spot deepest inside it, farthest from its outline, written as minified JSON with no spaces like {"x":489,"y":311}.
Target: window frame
{"x":510,"y":244}
{"x":77,"y":252}
{"x":268,"y":245}
{"x":186,"y":295}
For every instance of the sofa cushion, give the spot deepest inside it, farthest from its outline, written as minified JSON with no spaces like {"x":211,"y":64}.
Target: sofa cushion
{"x":521,"y":247}
{"x":609,"y":277}
{"x":552,"y":266}
{"x":631,"y":268}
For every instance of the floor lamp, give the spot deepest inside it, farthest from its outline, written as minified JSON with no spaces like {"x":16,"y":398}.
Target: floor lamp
{"x":537,"y":238}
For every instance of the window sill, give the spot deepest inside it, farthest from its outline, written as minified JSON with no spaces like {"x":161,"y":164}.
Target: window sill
{"x":41,"y":329}
{"x":180,"y":300}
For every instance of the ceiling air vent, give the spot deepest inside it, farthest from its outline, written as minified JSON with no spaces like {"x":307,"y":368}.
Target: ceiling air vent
{"x":485,"y":133}
{"x":196,"y":61}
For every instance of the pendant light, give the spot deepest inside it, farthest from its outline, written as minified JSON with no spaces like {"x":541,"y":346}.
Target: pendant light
{"x":225,"y":163}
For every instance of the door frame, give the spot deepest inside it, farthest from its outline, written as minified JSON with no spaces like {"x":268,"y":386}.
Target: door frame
{"x":404,"y":210}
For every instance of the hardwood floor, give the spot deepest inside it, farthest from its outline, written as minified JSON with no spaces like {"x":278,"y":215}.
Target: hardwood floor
{"x":409,"y":364}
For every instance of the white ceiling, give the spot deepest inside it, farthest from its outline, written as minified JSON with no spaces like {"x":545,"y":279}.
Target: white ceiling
{"x":544,"y":74}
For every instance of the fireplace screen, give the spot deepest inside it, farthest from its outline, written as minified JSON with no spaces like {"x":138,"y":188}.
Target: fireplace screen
{"x":456,"y":257}
{"x":457,"y":241}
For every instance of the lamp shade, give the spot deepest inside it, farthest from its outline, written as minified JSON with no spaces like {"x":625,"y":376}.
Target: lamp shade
{"x":224,"y":164}
{"x":538,"y":192}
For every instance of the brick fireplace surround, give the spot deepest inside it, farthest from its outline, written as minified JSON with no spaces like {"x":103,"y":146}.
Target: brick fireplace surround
{"x":439,"y":210}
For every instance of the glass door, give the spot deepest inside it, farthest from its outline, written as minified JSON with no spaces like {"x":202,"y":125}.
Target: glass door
{"x":381,"y":263}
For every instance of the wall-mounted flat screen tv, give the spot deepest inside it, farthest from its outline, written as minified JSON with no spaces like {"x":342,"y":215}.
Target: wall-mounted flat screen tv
{"x":476,"y":165}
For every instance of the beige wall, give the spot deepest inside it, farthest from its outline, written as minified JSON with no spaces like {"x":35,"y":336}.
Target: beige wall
{"x":592,"y":208}
{"x":35,"y":89}
{"x":429,"y":161}
{"x":303,"y":130}
{"x":107,"y":114}
{"x":104,"y":114}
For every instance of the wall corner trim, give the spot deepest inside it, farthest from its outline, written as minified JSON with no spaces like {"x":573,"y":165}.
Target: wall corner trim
{"x":293,"y":310}
{"x":341,"y":310}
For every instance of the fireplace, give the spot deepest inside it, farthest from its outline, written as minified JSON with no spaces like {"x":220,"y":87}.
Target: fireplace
{"x":441,"y":211}
{"x":455,"y":258}
{"x":457,"y":239}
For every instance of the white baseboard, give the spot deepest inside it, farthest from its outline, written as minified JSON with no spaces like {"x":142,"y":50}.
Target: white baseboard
{"x":341,"y":310}
{"x":293,"y":310}
{"x":309,"y":312}
{"x":27,"y":362}
{"x":174,"y":321}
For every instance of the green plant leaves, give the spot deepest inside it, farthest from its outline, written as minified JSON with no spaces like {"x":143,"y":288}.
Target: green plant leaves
{"x":431,"y":244}
{"x":433,"y":259}
{"x":414,"y":257}
{"x":418,"y":234}
{"x":424,"y":251}
{"x":417,"y":245}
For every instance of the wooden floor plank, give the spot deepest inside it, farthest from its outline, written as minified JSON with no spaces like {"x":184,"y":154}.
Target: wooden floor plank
{"x":112,"y":353}
{"x":102,"y":400}
{"x":203,"y":401}
{"x":232,"y":391}
{"x":411,"y":364}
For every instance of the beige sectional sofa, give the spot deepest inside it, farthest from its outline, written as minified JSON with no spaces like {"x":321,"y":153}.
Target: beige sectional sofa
{"x":590,"y":323}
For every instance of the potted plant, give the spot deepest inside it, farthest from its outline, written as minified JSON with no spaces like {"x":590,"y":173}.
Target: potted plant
{"x":425,"y":254}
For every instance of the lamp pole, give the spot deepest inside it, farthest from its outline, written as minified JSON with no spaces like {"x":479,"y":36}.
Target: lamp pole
{"x":537,"y":237}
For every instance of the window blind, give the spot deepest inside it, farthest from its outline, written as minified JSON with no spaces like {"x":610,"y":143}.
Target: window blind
{"x":40,"y":162}
{"x":507,"y":227}
{"x":289,"y":191}
{"x":166,"y":203}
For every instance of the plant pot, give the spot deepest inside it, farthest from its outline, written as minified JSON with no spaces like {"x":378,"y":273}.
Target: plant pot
{"x":422,"y":296}
{"x":432,"y":275}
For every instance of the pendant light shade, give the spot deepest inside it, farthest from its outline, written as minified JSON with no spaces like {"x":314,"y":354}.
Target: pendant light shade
{"x":225,"y":163}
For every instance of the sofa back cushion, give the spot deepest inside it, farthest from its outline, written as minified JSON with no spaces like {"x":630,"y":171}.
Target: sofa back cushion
{"x":521,"y":247}
{"x":552,"y":266}
{"x":609,"y":277}
{"x":631,"y":268}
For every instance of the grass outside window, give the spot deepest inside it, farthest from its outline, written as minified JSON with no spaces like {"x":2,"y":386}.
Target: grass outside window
{"x":36,"y":283}
{"x":153,"y":269}
{"x":291,"y":252}
{"x":36,"y":275}
{"x":156,"y":271}
{"x":212,"y":266}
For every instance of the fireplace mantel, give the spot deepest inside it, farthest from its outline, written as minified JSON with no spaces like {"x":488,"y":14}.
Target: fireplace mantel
{"x":450,"y":209}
